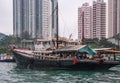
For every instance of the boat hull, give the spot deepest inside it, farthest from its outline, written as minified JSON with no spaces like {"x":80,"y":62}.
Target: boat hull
{"x":7,"y":60}
{"x":31,"y":62}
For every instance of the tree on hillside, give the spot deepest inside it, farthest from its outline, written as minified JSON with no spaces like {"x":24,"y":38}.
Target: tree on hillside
{"x":103,"y":43}
{"x":25,"y":35}
{"x":117,"y":38}
{"x":7,"y":40}
{"x":95,"y":40}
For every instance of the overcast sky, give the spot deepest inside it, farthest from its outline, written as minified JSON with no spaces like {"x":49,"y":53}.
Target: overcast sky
{"x":68,"y":12}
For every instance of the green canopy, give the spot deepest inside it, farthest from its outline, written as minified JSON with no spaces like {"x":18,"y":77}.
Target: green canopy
{"x":118,"y":57}
{"x":88,"y":50}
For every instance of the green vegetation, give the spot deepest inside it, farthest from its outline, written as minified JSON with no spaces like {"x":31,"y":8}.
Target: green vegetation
{"x":25,"y":35}
{"x":11,"y":40}
{"x":103,"y":43}
{"x":2,"y":35}
{"x":6,"y":41}
{"x":3,"y":49}
{"x":117,"y":36}
{"x":94,"y":43}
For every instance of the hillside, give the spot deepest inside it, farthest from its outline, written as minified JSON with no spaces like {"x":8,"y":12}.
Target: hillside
{"x":2,"y":35}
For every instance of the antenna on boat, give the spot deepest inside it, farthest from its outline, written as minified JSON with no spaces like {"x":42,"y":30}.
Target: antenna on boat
{"x":70,"y":36}
{"x":57,"y":25}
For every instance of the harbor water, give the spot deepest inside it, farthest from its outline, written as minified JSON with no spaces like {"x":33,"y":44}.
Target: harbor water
{"x":9,"y":73}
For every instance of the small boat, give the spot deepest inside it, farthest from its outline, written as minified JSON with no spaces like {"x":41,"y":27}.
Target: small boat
{"x":74,"y":57}
{"x":6,"y":58}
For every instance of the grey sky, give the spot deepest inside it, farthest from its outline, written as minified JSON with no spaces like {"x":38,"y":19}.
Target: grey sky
{"x":67,"y":16}
{"x":6,"y":23}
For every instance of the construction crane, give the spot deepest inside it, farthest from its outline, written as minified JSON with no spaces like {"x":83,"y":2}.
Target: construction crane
{"x":70,"y":36}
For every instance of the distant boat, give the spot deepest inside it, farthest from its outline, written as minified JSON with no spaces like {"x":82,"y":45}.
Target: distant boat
{"x":5,"y":58}
{"x":76,"y":57}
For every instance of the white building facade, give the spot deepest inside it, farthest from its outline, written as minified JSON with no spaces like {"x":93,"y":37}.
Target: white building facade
{"x":33,"y":17}
{"x":99,"y":19}
{"x":113,"y":17}
{"x":85,"y":14}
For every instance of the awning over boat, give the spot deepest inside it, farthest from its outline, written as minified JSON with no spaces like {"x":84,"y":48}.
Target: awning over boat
{"x":113,"y":51}
{"x":107,"y":51}
{"x":88,"y":50}
{"x":77,"y":48}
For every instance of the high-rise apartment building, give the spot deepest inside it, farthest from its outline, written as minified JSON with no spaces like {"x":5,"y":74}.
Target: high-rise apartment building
{"x":99,"y":19}
{"x":54,"y":18}
{"x":34,"y":17}
{"x":113,"y":17}
{"x":85,"y":21}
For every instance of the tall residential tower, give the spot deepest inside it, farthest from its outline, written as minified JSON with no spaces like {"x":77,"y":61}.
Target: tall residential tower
{"x":113,"y":17}
{"x":85,"y":21}
{"x":99,"y":19}
{"x":35,"y":18}
{"x":54,"y":18}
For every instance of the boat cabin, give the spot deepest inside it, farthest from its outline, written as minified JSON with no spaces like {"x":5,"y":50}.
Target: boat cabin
{"x":41,"y":44}
{"x":68,"y":52}
{"x":107,"y":53}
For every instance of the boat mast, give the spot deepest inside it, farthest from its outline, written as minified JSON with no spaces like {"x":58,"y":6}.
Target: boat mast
{"x":83,"y":28}
{"x":57,"y":36}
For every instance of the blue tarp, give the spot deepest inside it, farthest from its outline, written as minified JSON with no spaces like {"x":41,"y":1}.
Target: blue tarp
{"x":88,"y":50}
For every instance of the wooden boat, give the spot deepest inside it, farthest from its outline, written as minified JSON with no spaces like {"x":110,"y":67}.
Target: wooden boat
{"x":76,"y":57}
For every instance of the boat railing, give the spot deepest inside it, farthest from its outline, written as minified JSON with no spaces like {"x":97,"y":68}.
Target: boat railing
{"x":52,"y":57}
{"x":25,"y":53}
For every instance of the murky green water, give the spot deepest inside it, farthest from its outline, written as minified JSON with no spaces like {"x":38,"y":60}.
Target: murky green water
{"x":10,"y":74}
